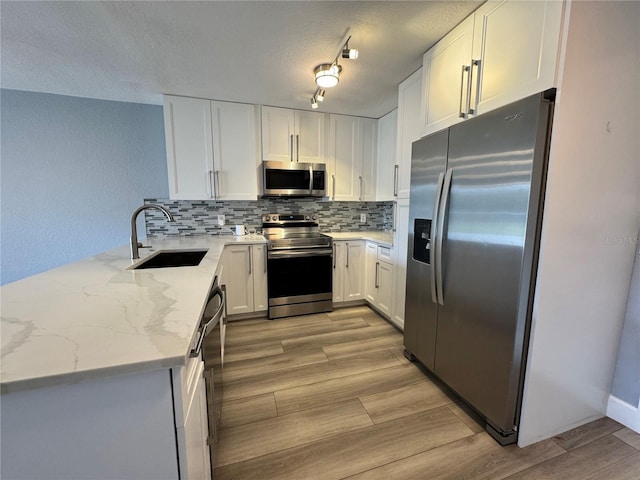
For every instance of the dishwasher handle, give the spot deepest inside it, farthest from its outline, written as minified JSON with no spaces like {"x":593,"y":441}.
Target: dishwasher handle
{"x":206,"y":328}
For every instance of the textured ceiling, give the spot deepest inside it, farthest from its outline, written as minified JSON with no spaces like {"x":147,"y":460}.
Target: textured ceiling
{"x":260,"y":52}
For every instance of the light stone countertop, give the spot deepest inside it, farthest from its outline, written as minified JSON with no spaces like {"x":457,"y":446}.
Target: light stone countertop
{"x":383,"y":238}
{"x":95,"y":318}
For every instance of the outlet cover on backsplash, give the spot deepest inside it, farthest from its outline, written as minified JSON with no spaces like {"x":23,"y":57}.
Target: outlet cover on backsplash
{"x":200,"y":217}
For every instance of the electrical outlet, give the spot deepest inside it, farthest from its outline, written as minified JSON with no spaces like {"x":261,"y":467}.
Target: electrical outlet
{"x":363,"y":218}
{"x":221,"y":220}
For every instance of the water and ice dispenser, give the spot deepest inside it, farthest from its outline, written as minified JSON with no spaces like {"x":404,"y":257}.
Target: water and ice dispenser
{"x":422,"y":240}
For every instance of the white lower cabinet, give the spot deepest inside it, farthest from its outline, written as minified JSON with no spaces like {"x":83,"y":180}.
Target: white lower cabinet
{"x":399,"y":257}
{"x":379,"y":277}
{"x":141,"y":425}
{"x":192,"y":427}
{"x":245,"y":277}
{"x":348,"y":270}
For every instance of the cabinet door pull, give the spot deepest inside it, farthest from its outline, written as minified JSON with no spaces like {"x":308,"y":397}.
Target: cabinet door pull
{"x":461,"y":112}
{"x":334,"y":256}
{"x":393,"y":216}
{"x":264,"y":250}
{"x":217,"y":184}
{"x":474,"y":110}
{"x":210,"y":177}
{"x":377,"y":273}
{"x":333,"y":181}
{"x":347,"y":248}
{"x":291,"y":147}
{"x":360,"y":180}
{"x":395,"y":180}
{"x":250,"y":259}
{"x":297,"y":148}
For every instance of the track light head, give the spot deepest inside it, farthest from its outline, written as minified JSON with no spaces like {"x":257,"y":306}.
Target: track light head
{"x":327,"y":74}
{"x":350,"y":53}
{"x":314,"y":103}
{"x":320,"y":95}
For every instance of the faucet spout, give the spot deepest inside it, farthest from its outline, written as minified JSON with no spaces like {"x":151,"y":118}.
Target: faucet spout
{"x":135,"y":245}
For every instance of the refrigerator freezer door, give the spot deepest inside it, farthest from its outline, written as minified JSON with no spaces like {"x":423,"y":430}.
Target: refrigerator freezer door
{"x":486,"y":266}
{"x":428,"y":161}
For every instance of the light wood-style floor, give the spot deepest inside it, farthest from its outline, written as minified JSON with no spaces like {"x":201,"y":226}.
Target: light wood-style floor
{"x":330,"y":396}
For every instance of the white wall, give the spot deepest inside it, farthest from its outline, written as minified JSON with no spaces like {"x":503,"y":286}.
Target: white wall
{"x":73,"y":171}
{"x":592,"y":202}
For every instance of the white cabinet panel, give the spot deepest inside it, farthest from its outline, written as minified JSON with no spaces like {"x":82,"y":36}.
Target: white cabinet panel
{"x":445,"y":66}
{"x":310,"y":136}
{"x":278,"y":131}
{"x":293,"y":135}
{"x":385,"y":287}
{"x":400,"y":245}
{"x":212,"y":149}
{"x":346,"y":161}
{"x":188,"y":139}
{"x":517,"y":45}
{"x":259,"y":273}
{"x":235,"y":151}
{"x":409,"y":128}
{"x":238,"y":268}
{"x":352,"y":154}
{"x":386,"y":169}
{"x":370,"y":273}
{"x":348,"y":272}
{"x":368,"y":148}
{"x":503,"y":52}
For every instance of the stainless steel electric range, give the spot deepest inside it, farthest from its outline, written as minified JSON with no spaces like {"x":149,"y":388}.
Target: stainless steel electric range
{"x":299,"y":268}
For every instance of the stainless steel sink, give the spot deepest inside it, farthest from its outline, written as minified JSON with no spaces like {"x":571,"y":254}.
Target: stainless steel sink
{"x":172,"y":258}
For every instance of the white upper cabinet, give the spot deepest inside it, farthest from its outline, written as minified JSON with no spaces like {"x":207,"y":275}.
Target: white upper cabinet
{"x":515,"y":47}
{"x":445,"y":78}
{"x":293,"y":135}
{"x":212,"y":149}
{"x":352,"y":153}
{"x":387,"y":170}
{"x":503,"y":52}
{"x":235,"y":151}
{"x":409,"y":129}
{"x":187,"y":125}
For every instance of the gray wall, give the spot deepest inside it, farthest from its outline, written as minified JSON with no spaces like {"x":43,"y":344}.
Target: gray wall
{"x":626,"y":381}
{"x":72,"y":172}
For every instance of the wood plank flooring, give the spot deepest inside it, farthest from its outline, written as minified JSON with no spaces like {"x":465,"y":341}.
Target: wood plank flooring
{"x":330,"y":396}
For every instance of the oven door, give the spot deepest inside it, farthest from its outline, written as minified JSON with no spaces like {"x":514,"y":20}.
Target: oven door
{"x":299,"y":281}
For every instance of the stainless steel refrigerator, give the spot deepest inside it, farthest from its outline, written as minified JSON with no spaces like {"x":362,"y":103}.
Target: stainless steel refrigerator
{"x":475,"y":212}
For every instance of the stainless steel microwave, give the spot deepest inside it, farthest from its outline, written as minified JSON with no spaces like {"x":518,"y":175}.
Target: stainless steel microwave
{"x":283,"y":179}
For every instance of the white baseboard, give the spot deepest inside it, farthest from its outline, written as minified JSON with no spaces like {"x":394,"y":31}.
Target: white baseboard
{"x":622,"y":412}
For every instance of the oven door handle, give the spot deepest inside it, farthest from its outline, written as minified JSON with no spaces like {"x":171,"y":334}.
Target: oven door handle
{"x":324,"y":252}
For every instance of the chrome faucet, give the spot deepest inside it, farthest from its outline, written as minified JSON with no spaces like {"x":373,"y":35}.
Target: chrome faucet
{"x":135,"y":245}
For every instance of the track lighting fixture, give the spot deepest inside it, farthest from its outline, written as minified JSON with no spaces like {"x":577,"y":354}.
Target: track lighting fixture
{"x":327,"y":75}
{"x":347,"y":52}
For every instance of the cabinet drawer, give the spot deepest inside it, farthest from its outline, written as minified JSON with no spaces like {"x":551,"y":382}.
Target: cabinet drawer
{"x":384,"y":253}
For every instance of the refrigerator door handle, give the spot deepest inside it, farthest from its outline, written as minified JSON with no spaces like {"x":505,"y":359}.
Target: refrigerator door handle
{"x":442,"y":214}
{"x":434,"y":235}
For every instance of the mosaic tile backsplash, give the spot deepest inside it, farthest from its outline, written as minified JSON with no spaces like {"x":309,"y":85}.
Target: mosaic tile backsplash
{"x":198,"y":217}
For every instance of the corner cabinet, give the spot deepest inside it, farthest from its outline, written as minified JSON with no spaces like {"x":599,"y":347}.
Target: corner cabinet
{"x":504,"y":51}
{"x":212,"y":149}
{"x":352,"y":158}
{"x":293,"y":135}
{"x":348,"y":270}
